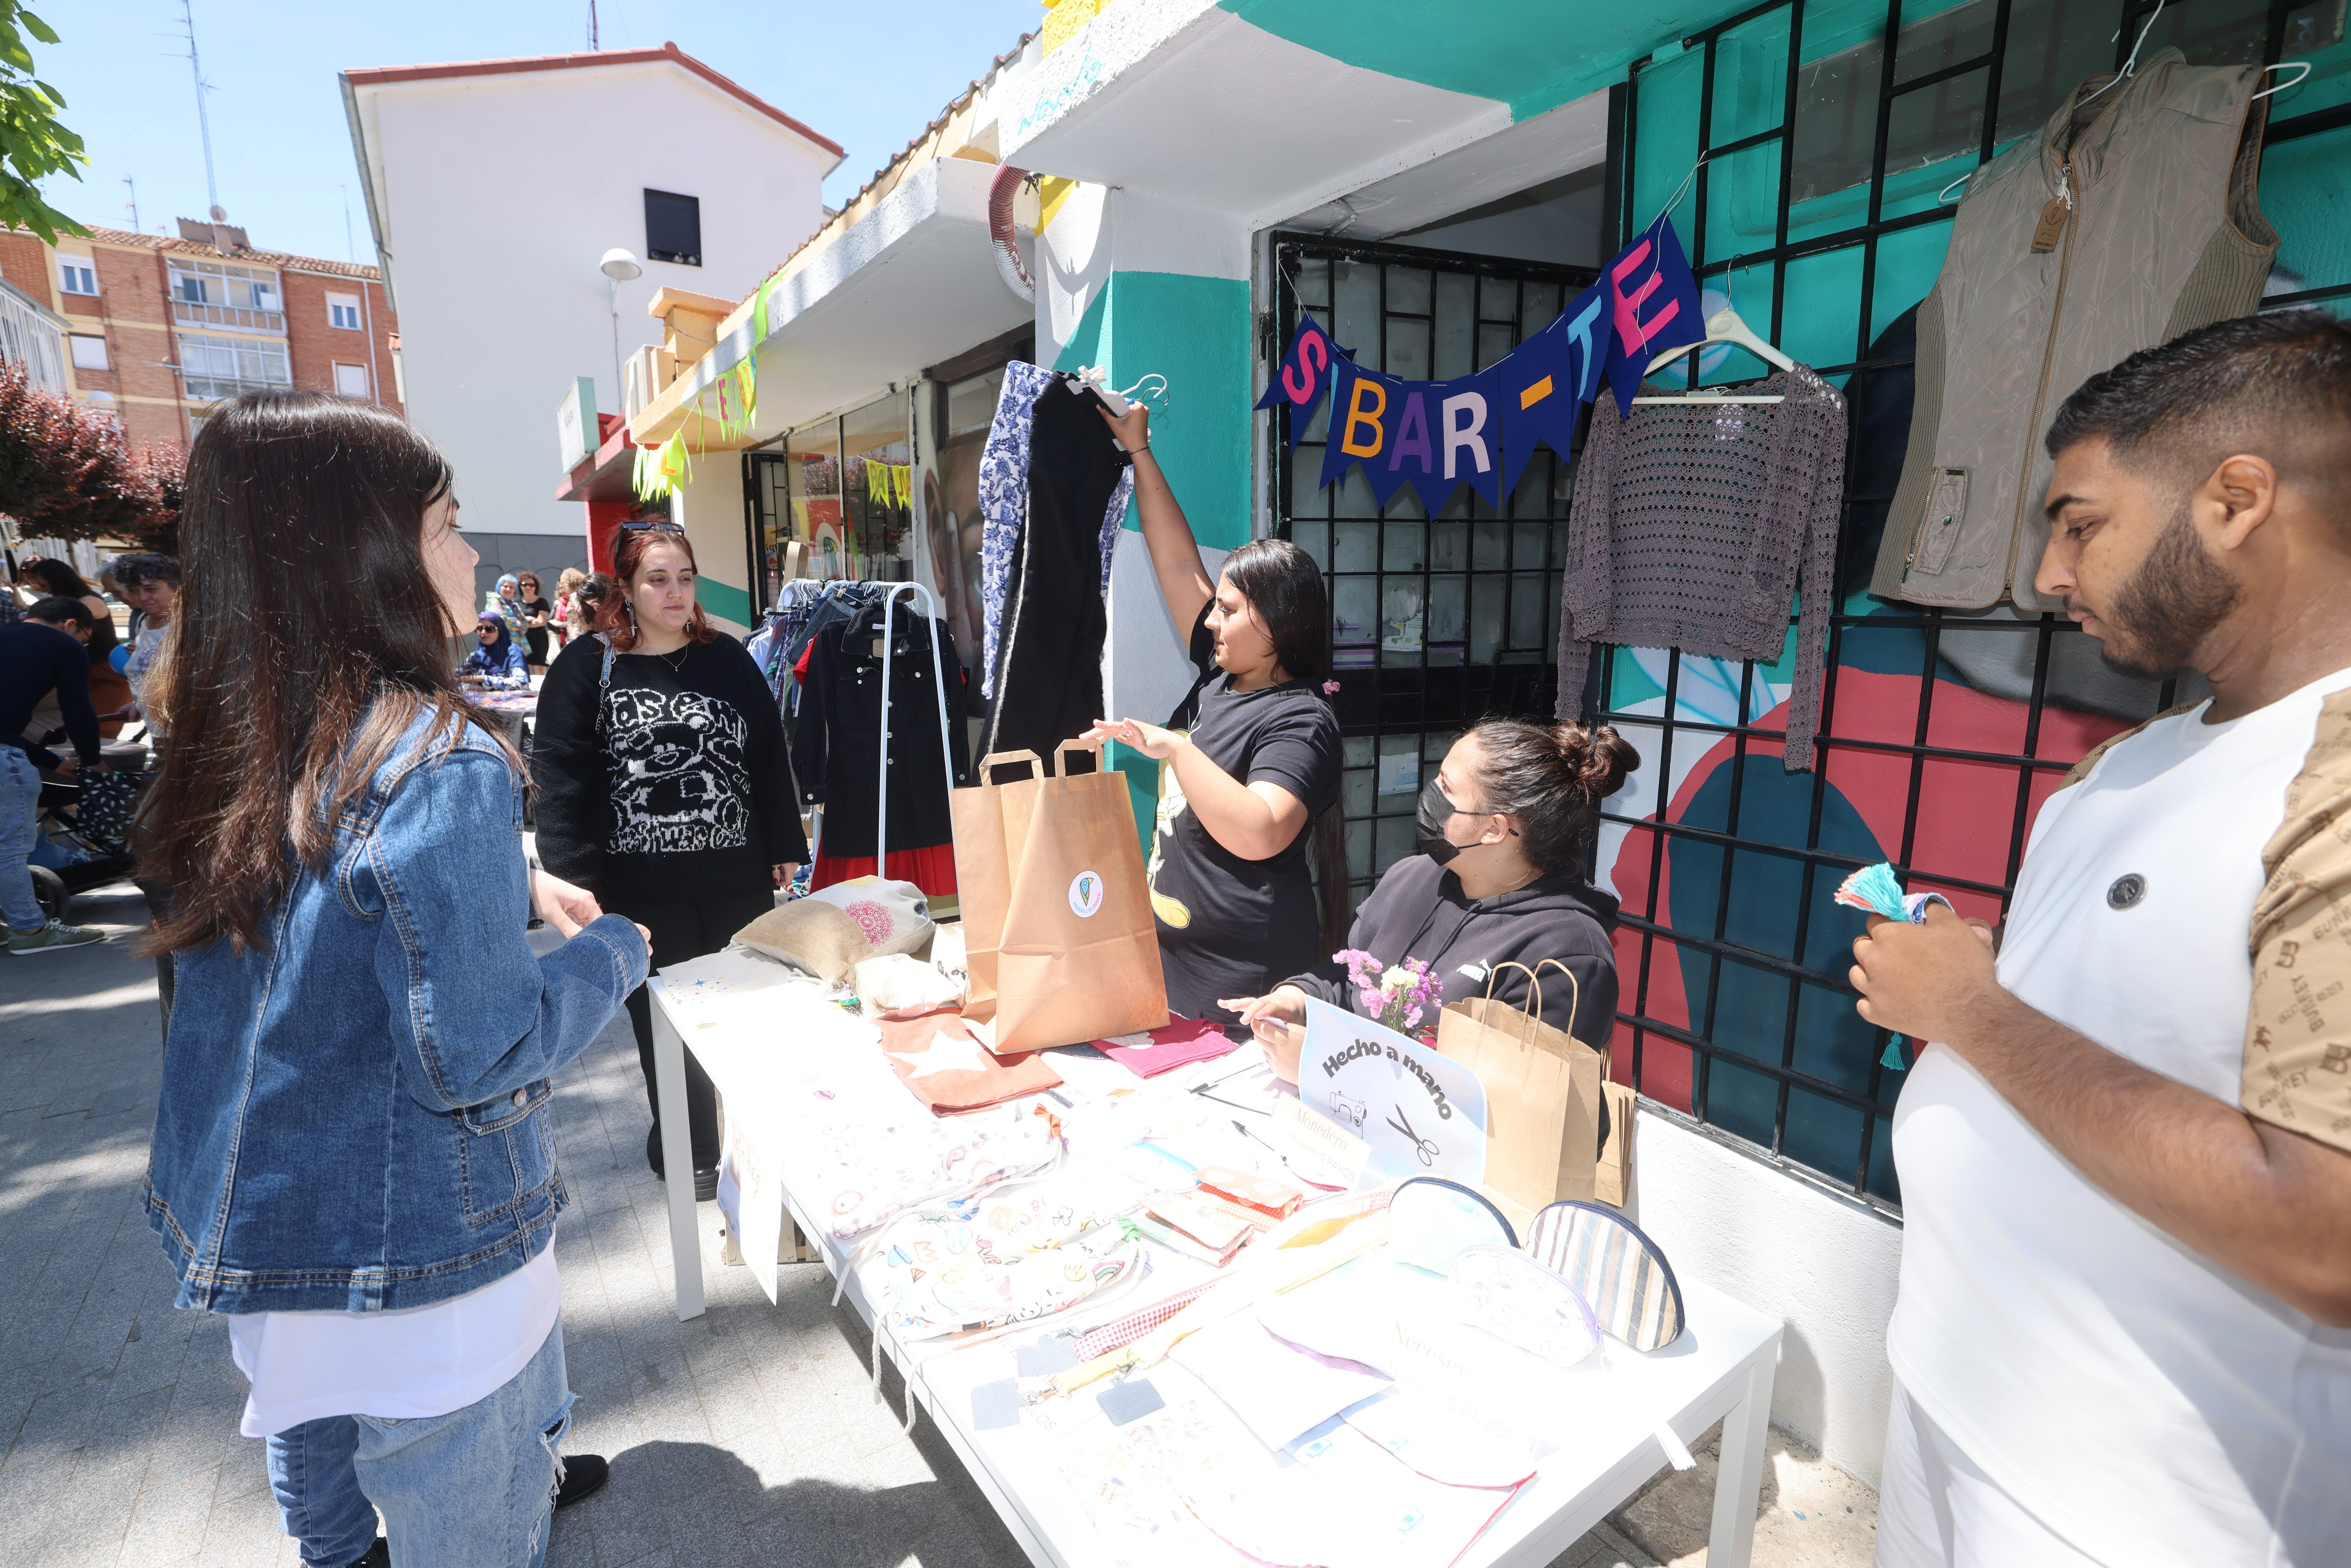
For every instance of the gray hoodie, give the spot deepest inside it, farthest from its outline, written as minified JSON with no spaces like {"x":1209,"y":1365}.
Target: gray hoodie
{"x":1417,"y":911}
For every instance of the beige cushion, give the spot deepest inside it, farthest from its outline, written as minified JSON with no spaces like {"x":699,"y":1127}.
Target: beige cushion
{"x":812,"y":935}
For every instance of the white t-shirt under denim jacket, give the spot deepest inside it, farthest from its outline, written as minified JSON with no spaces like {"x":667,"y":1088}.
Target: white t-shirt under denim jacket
{"x":2145,"y":1405}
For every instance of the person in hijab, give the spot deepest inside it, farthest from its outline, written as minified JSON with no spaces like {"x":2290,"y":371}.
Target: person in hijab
{"x":496,"y":664}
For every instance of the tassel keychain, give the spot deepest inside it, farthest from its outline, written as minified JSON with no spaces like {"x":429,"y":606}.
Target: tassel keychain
{"x":1874,"y":888}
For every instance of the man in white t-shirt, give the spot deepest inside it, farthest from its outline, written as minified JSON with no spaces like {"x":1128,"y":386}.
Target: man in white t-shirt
{"x":2124,"y":1331}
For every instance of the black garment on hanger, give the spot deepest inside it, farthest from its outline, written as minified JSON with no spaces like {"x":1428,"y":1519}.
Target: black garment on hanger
{"x":1049,"y":649}
{"x":837,"y":742}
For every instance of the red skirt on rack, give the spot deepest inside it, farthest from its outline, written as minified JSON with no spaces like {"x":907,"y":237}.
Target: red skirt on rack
{"x":930,"y":868}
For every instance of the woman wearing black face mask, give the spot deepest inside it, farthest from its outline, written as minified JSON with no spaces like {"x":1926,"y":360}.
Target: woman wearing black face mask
{"x":1496,"y":882}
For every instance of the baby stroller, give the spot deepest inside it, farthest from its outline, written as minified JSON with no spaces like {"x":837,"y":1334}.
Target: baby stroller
{"x":84,"y":836}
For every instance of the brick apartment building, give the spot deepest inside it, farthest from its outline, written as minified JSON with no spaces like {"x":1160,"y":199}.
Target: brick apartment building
{"x":161,"y":329}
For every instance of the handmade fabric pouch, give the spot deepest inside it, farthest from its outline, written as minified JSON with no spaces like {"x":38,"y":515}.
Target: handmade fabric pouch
{"x":895,"y":917}
{"x":897,"y":986}
{"x":876,"y":1171}
{"x":1180,"y":1043}
{"x":960,"y":1291}
{"x":1432,"y":1221}
{"x":1519,"y":1301}
{"x":1614,"y":1266}
{"x":1874,"y":889}
{"x":947,"y":1069}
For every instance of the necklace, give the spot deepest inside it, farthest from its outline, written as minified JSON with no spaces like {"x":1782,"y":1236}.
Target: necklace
{"x":679,"y":663}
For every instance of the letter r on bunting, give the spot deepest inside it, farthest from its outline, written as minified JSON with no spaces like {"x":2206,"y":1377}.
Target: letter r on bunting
{"x":1471,"y":434}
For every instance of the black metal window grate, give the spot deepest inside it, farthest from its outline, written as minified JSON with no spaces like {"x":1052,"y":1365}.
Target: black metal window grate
{"x":1940,"y":731}
{"x":1438,"y":620}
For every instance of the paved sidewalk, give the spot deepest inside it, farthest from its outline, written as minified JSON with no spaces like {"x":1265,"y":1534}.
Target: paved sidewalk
{"x":750,"y":1436}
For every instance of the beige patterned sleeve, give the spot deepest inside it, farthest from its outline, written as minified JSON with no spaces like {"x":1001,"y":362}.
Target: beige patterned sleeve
{"x":2298,"y":1032}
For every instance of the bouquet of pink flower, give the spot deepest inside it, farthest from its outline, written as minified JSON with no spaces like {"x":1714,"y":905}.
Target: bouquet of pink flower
{"x":1397,"y":995}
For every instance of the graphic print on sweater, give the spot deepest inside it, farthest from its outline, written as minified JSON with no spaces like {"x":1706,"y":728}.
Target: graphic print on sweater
{"x":682,"y":784}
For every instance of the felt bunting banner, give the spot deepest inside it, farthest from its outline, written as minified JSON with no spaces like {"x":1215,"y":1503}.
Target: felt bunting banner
{"x":1653,"y":302}
{"x":1482,"y":428}
{"x":1303,"y":376}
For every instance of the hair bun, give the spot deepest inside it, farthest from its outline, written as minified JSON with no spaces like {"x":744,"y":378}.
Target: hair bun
{"x":1602,"y":758}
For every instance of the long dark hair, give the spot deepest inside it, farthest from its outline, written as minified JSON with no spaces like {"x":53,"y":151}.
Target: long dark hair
{"x":1284,"y":588}
{"x":1552,"y":778}
{"x":307,"y":638}
{"x":60,"y":580}
{"x":616,"y":618}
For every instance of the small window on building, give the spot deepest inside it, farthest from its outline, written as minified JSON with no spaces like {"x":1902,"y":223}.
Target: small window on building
{"x":673,"y":227}
{"x":351,"y":380}
{"x":264,"y":297}
{"x":89,"y":352}
{"x":77,"y":275}
{"x":189,"y":287}
{"x":343,"y":310}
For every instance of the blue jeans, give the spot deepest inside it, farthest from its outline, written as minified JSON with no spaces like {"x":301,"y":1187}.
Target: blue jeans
{"x":472,"y":1489}
{"x":20,"y":801}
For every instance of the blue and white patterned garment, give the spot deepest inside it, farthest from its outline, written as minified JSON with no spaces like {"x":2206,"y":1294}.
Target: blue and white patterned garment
{"x":1004,"y":498}
{"x":1004,"y":502}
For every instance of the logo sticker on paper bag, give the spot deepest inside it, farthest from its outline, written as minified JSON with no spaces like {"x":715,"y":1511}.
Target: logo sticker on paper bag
{"x":1085,"y":895}
{"x":1421,"y":1113}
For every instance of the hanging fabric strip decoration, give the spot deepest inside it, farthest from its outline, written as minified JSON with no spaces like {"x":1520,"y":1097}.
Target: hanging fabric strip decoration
{"x":1483,"y":428}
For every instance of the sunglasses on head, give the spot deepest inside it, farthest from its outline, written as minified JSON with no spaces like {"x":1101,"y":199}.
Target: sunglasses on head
{"x":643,"y":525}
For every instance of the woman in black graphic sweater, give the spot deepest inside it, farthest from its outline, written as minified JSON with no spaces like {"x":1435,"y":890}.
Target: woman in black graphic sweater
{"x":664,"y":786}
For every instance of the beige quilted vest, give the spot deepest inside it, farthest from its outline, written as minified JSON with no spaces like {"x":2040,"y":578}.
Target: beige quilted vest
{"x":2132,"y":217}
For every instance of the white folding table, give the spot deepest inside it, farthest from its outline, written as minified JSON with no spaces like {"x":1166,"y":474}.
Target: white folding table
{"x":1720,"y":1369}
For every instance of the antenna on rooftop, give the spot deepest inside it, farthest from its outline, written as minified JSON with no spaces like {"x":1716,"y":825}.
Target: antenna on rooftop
{"x":204,"y":120}
{"x":351,"y":249}
{"x":592,"y":43}
{"x":133,"y":203}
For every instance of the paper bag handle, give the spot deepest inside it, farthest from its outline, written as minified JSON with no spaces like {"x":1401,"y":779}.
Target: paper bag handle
{"x":1574,"y":1005}
{"x":1061,"y":761}
{"x":992,"y":758}
{"x":1534,"y":992}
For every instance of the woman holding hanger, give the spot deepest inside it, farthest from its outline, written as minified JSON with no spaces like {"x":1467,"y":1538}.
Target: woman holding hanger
{"x":1250,"y":764}
{"x":664,"y":786}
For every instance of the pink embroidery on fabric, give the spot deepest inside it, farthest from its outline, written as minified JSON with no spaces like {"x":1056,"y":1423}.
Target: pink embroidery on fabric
{"x":872,"y":919}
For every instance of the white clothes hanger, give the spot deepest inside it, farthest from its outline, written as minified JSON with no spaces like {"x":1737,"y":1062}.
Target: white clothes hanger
{"x":1724,"y":327}
{"x":2284,"y":65}
{"x":2130,"y":66}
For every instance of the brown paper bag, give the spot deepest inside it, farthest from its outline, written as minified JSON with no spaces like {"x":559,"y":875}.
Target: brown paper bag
{"x":990,"y":822}
{"x":1542,"y":1095}
{"x":1612,"y":1177}
{"x":1071,"y":953}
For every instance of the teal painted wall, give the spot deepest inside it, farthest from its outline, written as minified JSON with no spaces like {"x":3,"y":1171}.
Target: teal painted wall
{"x":1534,"y":55}
{"x":724,"y":598}
{"x":1196,"y":332}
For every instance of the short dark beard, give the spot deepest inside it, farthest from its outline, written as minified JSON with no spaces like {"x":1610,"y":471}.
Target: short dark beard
{"x":2170,"y":604}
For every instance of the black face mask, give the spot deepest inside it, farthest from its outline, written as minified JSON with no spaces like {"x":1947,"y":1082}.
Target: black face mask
{"x":1437,"y":809}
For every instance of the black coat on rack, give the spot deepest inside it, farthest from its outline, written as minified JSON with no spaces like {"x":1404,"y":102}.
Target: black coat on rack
{"x":836,"y":744}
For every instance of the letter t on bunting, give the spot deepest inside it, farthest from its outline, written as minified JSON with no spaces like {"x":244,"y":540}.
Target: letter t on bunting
{"x":1655,"y":301}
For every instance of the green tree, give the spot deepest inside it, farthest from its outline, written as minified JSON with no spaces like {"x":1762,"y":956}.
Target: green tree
{"x":33,"y":145}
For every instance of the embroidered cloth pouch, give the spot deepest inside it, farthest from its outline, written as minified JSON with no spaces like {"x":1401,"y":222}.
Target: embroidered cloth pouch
{"x":1615,"y":1268}
{"x":897,"y":986}
{"x":969,"y":1290}
{"x":895,"y":917}
{"x":810,"y":934}
{"x":950,"y":1072}
{"x":1181,"y":1043}
{"x":1518,"y":1301}
{"x":876,"y":1169}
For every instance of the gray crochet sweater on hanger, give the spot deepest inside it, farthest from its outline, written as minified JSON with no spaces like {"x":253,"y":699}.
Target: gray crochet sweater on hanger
{"x":1688,"y":524}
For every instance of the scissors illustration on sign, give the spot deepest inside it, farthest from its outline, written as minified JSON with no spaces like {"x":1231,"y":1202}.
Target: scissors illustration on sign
{"x":1427,"y":1150}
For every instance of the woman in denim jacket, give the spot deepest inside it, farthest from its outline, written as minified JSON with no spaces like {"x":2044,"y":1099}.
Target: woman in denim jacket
{"x":352,"y":1155}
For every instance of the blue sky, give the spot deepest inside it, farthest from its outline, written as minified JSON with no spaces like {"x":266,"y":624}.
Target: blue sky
{"x":868,"y":74}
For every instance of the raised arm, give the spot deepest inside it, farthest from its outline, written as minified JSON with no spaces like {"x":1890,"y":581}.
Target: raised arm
{"x":1174,"y":553}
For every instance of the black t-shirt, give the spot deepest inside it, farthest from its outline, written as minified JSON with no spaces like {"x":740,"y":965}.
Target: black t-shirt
{"x":684,"y":792}
{"x":1230,"y":926}
{"x":535,"y":636}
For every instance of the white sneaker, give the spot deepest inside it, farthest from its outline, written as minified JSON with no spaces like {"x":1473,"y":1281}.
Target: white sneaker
{"x":53,"y":937}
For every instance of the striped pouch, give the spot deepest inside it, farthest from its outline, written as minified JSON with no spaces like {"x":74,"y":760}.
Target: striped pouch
{"x":1614,"y":1266}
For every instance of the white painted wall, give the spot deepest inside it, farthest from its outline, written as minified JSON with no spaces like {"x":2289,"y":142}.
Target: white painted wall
{"x":1826,"y":1265}
{"x":500,"y":193}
